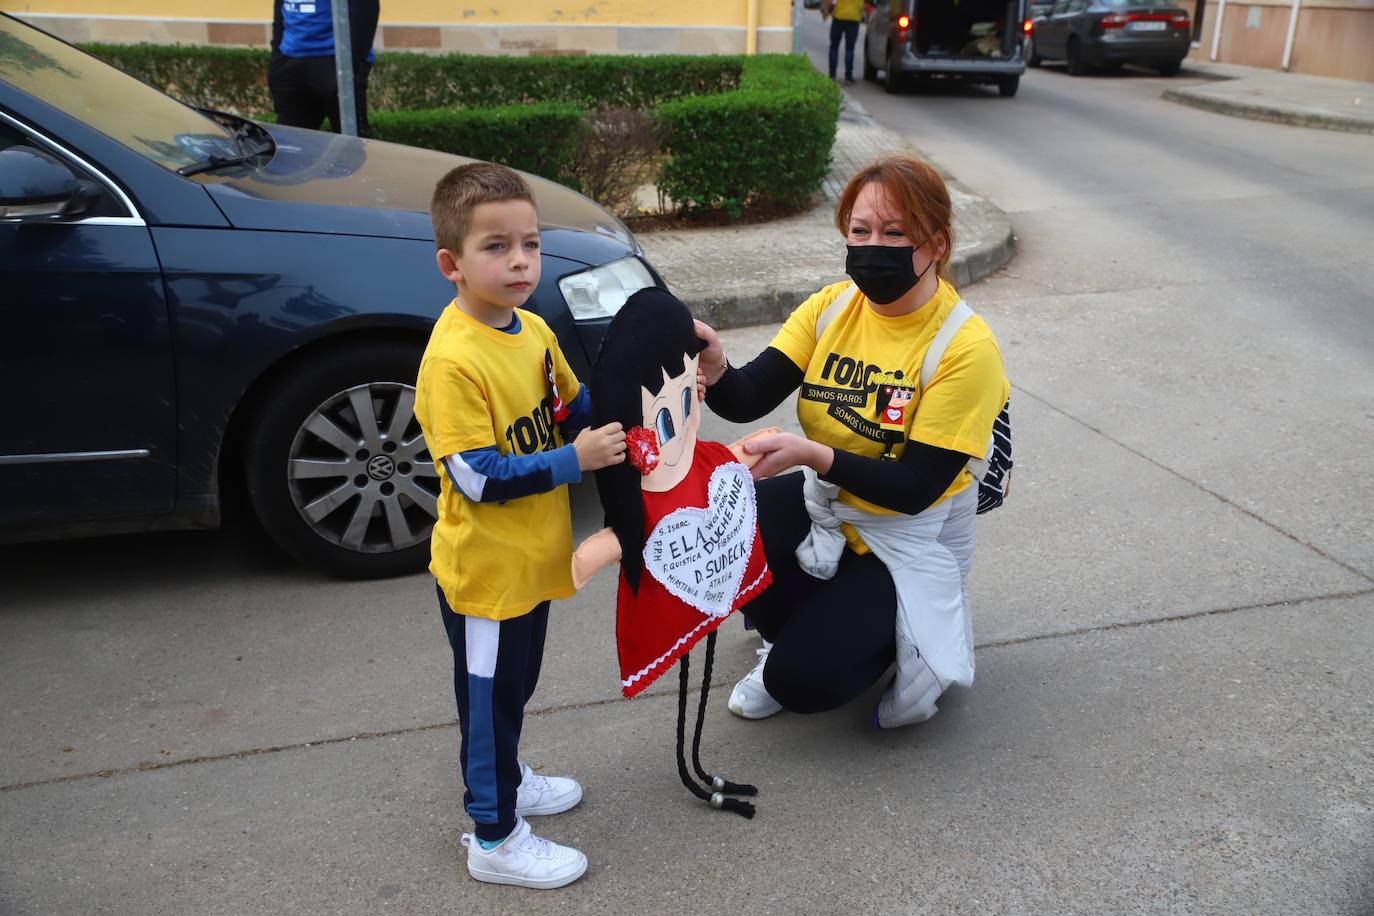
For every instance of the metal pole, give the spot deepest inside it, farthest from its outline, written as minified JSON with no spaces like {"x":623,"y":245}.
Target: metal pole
{"x":1292,"y":32}
{"x":1216,"y":32}
{"x":797,"y":13}
{"x":343,"y":69}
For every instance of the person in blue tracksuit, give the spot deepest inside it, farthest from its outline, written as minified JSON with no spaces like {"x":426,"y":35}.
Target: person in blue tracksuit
{"x":301,"y":74}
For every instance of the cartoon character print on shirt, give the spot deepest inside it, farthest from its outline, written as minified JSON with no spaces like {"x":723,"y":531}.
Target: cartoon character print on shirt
{"x":560,"y":410}
{"x":893,"y":401}
{"x":865,"y":398}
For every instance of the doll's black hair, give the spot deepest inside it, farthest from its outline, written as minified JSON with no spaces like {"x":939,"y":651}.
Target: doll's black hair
{"x":651,"y":334}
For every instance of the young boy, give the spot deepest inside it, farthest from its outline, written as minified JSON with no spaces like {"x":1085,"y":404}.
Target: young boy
{"x":492,"y":381}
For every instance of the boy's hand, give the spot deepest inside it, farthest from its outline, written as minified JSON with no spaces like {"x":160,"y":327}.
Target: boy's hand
{"x":600,"y":447}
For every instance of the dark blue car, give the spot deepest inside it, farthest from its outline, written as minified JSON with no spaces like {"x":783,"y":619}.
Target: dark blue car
{"x":195,"y":304}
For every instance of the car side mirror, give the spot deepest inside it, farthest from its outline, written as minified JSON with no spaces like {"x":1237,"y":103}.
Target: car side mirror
{"x":36,"y":186}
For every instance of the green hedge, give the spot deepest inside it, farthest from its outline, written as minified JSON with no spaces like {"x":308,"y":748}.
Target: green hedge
{"x":498,"y":134}
{"x":440,"y":81}
{"x":769,"y":140}
{"x":733,"y":129}
{"x":235,"y":79}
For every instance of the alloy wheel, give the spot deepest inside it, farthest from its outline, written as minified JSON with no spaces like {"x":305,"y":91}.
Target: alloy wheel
{"x":360,"y":473}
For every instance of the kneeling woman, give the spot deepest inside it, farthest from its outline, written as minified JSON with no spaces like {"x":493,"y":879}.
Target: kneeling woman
{"x":870,"y":546}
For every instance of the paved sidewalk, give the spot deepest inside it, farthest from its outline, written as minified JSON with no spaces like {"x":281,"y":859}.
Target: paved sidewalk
{"x":1285,"y":98}
{"x":736,"y":276}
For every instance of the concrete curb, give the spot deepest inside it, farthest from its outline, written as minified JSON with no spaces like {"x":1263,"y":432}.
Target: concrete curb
{"x":1258,"y":111}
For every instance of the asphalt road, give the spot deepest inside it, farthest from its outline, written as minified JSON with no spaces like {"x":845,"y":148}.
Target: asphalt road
{"x":1174,"y":699}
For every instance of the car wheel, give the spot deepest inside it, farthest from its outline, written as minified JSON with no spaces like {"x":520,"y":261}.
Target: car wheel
{"x":1074,"y":56}
{"x":337,"y":469}
{"x":1169,"y":68}
{"x":870,"y":71}
{"x":1007,"y":86}
{"x":892,"y":82}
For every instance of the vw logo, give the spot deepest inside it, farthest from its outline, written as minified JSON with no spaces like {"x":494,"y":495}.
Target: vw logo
{"x":380,"y":467}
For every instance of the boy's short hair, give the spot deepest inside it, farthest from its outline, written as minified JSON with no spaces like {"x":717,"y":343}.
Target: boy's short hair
{"x":463,"y":190}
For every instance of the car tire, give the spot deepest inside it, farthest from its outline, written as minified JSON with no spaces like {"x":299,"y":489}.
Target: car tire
{"x":337,"y":470}
{"x":1007,"y":86}
{"x":870,"y":71}
{"x":893,"y":80}
{"x":1170,"y":68}
{"x":1074,"y":56}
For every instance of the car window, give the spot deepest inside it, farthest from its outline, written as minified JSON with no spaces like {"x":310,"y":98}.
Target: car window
{"x":109,"y":100}
{"x":1060,"y":6}
{"x":1124,"y":4}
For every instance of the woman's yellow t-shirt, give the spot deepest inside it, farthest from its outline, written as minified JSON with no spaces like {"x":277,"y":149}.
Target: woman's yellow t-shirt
{"x":478,"y":388}
{"x":865,"y":363}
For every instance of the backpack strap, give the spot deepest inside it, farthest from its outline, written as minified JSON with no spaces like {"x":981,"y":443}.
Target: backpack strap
{"x":936,"y":351}
{"x":842,"y":302}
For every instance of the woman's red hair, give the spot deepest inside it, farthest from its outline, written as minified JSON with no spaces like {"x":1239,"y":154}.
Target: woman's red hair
{"x":916,"y":190}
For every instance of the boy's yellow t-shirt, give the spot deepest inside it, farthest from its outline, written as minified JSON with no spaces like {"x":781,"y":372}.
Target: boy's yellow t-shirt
{"x":480,"y":387}
{"x":864,"y":360}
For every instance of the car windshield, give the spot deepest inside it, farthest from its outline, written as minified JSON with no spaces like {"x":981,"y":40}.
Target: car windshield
{"x":150,"y":123}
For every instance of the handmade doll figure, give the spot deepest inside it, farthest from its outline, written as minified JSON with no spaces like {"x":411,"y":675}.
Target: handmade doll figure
{"x":681,"y":512}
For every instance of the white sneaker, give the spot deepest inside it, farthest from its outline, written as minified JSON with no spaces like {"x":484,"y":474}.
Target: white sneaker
{"x":540,"y":795}
{"x":524,"y":860}
{"x":750,"y":699}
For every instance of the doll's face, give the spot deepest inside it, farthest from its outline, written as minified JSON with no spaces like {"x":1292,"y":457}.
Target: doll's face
{"x":675,"y":416}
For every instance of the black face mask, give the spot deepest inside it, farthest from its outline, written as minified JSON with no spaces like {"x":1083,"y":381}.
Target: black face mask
{"x":882,"y":272}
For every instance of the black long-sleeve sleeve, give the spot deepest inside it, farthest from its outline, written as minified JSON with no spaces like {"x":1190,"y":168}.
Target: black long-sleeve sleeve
{"x":908,"y":485}
{"x":746,"y":393}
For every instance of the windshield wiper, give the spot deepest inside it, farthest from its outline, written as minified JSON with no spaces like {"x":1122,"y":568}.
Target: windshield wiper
{"x":244,"y":132}
{"x":214,"y":163}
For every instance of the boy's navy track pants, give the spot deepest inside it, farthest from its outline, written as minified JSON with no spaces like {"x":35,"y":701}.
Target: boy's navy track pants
{"x":495,"y":670}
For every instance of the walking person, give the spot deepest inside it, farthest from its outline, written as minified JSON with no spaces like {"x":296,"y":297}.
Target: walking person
{"x":301,"y":75}
{"x":844,"y":16}
{"x":870,"y":545}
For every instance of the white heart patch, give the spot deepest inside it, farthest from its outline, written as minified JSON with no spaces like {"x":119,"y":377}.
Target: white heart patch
{"x":700,"y":555}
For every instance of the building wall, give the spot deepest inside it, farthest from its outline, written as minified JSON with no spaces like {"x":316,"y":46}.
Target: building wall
{"x":510,"y":27}
{"x":1333,"y":37}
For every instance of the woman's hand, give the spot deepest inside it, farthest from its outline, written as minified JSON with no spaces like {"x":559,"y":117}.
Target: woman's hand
{"x":711,"y":363}
{"x":778,"y":452}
